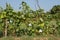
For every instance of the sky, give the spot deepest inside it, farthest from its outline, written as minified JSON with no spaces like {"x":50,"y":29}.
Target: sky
{"x":44,"y":4}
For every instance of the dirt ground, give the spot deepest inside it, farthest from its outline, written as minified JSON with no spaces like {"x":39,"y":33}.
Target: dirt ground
{"x":31,"y":38}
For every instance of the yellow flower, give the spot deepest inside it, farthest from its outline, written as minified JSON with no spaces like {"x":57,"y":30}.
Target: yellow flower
{"x":42,"y":24}
{"x":33,"y":30}
{"x":1,"y":16}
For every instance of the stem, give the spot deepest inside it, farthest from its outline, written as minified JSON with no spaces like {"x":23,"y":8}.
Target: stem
{"x":6,"y":27}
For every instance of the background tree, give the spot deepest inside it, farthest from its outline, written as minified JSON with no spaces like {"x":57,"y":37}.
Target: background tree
{"x":55,"y":9}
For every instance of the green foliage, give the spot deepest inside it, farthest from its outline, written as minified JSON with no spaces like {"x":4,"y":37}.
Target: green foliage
{"x":55,"y":9}
{"x":29,"y":22}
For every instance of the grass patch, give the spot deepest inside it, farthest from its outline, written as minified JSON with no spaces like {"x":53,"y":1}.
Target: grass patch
{"x":31,"y":38}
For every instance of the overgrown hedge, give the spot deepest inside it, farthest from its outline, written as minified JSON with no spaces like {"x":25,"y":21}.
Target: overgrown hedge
{"x":28,"y":22}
